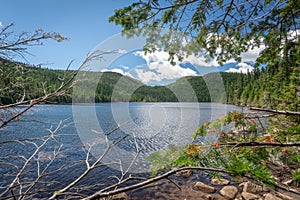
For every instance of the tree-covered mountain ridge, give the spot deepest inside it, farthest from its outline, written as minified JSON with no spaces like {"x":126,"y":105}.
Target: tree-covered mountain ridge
{"x":268,"y":87}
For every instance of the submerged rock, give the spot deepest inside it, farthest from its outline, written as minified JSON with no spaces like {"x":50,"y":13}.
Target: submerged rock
{"x":220,"y":181}
{"x":203,"y":187}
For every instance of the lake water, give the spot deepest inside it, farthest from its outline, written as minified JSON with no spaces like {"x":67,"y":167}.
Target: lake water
{"x":142,"y":127}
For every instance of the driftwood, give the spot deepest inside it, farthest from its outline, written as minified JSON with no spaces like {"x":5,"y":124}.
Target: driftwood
{"x":276,"y":111}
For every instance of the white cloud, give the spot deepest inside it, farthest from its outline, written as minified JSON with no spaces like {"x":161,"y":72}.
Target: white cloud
{"x":1,"y":24}
{"x":117,"y":70}
{"x":252,"y":54}
{"x":200,"y":61}
{"x":243,"y":67}
{"x":147,"y":76}
{"x":124,"y":67}
{"x":158,"y":68}
{"x":248,"y":56}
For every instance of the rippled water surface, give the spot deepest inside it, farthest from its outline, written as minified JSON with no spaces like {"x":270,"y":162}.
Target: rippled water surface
{"x":139,"y":127}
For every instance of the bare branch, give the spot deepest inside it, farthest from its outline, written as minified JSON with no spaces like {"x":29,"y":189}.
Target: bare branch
{"x":98,"y":195}
{"x":276,"y":111}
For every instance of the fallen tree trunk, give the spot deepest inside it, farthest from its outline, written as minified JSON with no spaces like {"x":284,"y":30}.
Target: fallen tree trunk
{"x":276,"y":111}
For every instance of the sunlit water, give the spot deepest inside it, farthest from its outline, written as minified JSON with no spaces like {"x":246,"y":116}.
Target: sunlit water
{"x":143,"y":128}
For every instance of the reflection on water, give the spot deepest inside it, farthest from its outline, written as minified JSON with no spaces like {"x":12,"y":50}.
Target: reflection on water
{"x":146,"y":127}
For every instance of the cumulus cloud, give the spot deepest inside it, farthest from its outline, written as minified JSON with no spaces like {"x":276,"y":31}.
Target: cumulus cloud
{"x":252,"y":54}
{"x":117,"y":70}
{"x":158,"y":68}
{"x":243,"y":67}
{"x":200,"y":61}
{"x":1,"y":24}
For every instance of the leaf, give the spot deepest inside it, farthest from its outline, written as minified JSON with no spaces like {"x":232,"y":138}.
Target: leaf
{"x":193,"y":150}
{"x":217,"y":144}
{"x":268,"y":139}
{"x":201,"y":131}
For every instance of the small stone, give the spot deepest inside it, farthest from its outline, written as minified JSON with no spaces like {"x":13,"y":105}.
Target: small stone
{"x":229,"y":192}
{"x":203,"y":187}
{"x":220,"y":181}
{"x":270,"y":196}
{"x":121,"y":196}
{"x":249,"y":196}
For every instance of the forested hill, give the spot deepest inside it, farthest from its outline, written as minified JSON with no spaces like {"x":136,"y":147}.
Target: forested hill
{"x":18,"y":80}
{"x":270,"y":87}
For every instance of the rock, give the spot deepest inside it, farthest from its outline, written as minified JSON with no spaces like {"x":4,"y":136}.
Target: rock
{"x":220,"y":181}
{"x":229,"y":192}
{"x":265,"y":188}
{"x":249,"y":196}
{"x":209,"y":197}
{"x":121,"y":196}
{"x":270,"y":196}
{"x":288,"y":182}
{"x":185,"y":173}
{"x":284,"y":197}
{"x":203,"y":187}
{"x":251,"y":187}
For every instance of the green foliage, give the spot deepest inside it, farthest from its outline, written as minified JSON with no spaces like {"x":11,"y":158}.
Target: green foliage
{"x":201,"y":131}
{"x":212,"y":25}
{"x":209,"y":127}
{"x":162,"y":160}
{"x":15,"y":77}
{"x":296,"y":175}
{"x":19,"y":80}
{"x":220,"y":25}
{"x":253,"y":161}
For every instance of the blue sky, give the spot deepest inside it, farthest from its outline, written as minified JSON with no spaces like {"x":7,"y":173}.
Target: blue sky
{"x":86,"y":24}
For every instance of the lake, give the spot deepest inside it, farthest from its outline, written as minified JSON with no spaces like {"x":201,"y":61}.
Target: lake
{"x":139,"y":129}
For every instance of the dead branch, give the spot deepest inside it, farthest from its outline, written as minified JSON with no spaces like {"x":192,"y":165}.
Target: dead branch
{"x":276,"y":111}
{"x":11,"y":46}
{"x":149,"y":181}
{"x":27,"y":160}
{"x":90,"y":167}
{"x":264,"y":144}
